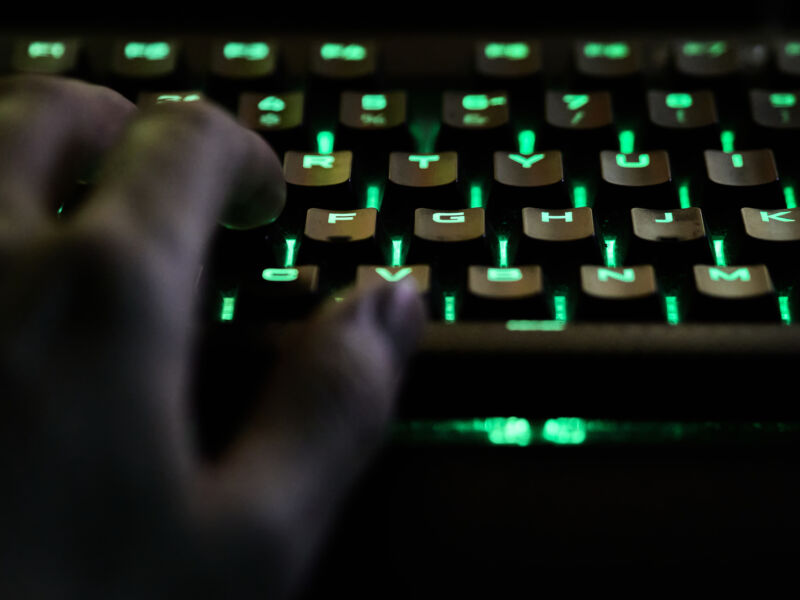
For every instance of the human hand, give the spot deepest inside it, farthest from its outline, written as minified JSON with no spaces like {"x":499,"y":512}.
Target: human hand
{"x":104,"y":494}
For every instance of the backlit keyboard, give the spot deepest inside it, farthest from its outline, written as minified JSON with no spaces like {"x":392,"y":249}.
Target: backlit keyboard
{"x":605,"y":230}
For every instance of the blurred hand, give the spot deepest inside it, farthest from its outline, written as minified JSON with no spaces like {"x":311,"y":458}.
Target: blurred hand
{"x":103,"y":493}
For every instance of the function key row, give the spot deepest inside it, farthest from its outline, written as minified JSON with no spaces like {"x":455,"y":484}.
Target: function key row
{"x":341,"y":59}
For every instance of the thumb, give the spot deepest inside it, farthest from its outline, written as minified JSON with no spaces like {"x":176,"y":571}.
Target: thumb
{"x":326,"y":410}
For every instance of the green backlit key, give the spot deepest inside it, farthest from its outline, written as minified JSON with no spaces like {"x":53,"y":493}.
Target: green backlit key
{"x":733,"y":293}
{"x":619,"y":294}
{"x":278,"y":117}
{"x":638,"y":179}
{"x":368,"y":276}
{"x":449,"y":240}
{"x":684,"y":122}
{"x":343,"y":61}
{"x":580,"y":124}
{"x":339,"y":241}
{"x":243,"y":60}
{"x":318,"y":180}
{"x":607,"y":60}
{"x":669,"y":239}
{"x":373,"y":124}
{"x":500,"y":293}
{"x":146,"y":99}
{"x":787,"y":57}
{"x":508,"y":61}
{"x":46,"y":56}
{"x":737,"y":179}
{"x":772,"y":237}
{"x":776,"y":124}
{"x":560,"y":239}
{"x":522,"y":180}
{"x":705,"y":59}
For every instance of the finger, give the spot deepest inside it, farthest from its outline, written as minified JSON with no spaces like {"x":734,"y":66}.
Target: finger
{"x":328,"y":409}
{"x":52,"y":131}
{"x":173,"y":173}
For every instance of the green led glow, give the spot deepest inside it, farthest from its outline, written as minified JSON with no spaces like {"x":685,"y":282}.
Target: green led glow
{"x":580,"y":197}
{"x":683,"y":194}
{"x":475,"y":196}
{"x":577,"y":118}
{"x":526,"y":161}
{"x":786,"y":314}
{"x":611,"y":253}
{"x":737,"y":160}
{"x":481,"y":101}
{"x":287,"y":274}
{"x":564,"y":430}
{"x":508,"y":432}
{"x":272,"y":104}
{"x":524,"y":325}
{"x":325,"y":142}
{"x":502,"y":250}
{"x":147,"y":50}
{"x":792,"y":48}
{"x":626,"y":163}
{"x":740,"y":274}
{"x":612,"y":51}
{"x":526,"y":140}
{"x":503,"y":274}
{"x":560,"y":308}
{"x":712,"y":49}
{"x":350,"y":52}
{"x":718,"y":246}
{"x":627,"y":275}
{"x":373,"y":102}
{"x":509,"y":51}
{"x":60,"y":210}
{"x":46,"y":49}
{"x":727,"y":137}
{"x":626,"y":141}
{"x":245,"y":50}
{"x":449,"y":308}
{"x":227,"y":308}
{"x":291,"y":252}
{"x":788,"y":195}
{"x":575,"y":101}
{"x":424,"y":133}
{"x":397,"y":252}
{"x":678,"y":100}
{"x":373,"y":196}
{"x":782,"y":99}
{"x":673,"y":314}
{"x":424,"y":161}
{"x":389,"y":276}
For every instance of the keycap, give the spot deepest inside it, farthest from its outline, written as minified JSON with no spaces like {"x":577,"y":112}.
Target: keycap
{"x":368,"y":276}
{"x":343,"y":60}
{"x":475,"y":124}
{"x":580,"y":123}
{"x":607,"y":59}
{"x":508,"y":60}
{"x":787,"y":56}
{"x":776,"y":120}
{"x":449,"y":238}
{"x":669,"y":238}
{"x":706,"y":59}
{"x":562,"y":238}
{"x":640,"y":179}
{"x":338,"y":241}
{"x":417,"y":181}
{"x":772,"y":237}
{"x":46,"y":56}
{"x":243,"y":60}
{"x":138,"y":64}
{"x":279,"y":293}
{"x":683,"y":122}
{"x":736,"y":179}
{"x":619,"y":293}
{"x":522,"y":180}
{"x":318,"y":180}
{"x":278,"y":117}
{"x":373,"y":124}
{"x":501,"y":293}
{"x":733,"y":293}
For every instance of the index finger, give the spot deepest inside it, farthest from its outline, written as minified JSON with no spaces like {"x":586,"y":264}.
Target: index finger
{"x":177,"y":168}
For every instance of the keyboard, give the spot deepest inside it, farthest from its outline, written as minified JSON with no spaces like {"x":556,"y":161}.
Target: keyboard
{"x":606,"y":233}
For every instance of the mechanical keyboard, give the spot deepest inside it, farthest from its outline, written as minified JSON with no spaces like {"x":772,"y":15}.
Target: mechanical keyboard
{"x":606,"y":232}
